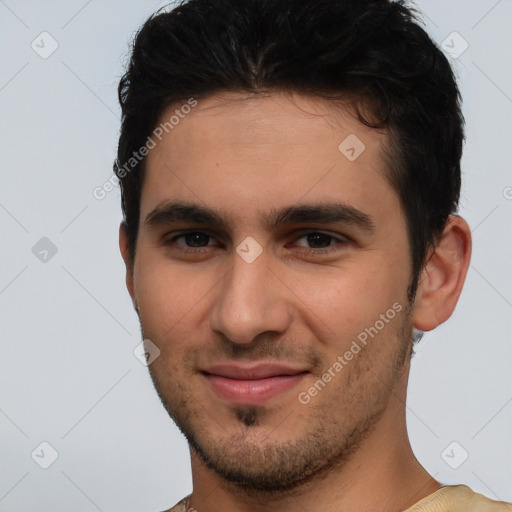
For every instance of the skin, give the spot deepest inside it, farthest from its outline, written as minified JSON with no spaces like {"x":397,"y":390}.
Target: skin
{"x":244,"y":156}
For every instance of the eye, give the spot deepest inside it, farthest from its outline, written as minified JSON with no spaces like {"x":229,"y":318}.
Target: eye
{"x":319,"y":242}
{"x":192,"y":239}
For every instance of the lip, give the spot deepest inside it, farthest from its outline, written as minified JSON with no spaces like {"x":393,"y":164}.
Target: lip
{"x":256,"y":384}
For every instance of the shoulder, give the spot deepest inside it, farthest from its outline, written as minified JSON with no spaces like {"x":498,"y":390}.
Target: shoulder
{"x":179,"y":507}
{"x":459,"y":498}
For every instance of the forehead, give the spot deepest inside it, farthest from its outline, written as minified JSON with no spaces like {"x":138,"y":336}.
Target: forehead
{"x":247,"y":153}
{"x":270,"y":119}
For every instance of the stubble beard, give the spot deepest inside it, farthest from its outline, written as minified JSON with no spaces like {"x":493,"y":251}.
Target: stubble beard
{"x":252,"y":462}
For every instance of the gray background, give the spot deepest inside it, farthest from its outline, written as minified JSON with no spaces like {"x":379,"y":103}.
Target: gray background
{"x":68,"y":375}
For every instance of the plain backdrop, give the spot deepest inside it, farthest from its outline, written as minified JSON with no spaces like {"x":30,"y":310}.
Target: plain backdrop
{"x":68,"y":374}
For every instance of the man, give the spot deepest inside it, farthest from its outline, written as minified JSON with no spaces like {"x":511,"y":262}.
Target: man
{"x":290,"y":173}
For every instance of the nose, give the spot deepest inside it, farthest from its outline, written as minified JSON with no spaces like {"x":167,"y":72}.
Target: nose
{"x":249,"y":301}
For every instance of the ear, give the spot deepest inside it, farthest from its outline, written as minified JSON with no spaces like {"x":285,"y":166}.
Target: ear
{"x":125,"y":253}
{"x":443,"y":276}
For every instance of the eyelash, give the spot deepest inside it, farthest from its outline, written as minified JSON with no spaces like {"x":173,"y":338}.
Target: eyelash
{"x":309,"y":251}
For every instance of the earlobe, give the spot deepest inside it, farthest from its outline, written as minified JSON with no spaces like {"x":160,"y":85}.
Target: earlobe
{"x":443,"y":276}
{"x":125,"y":253}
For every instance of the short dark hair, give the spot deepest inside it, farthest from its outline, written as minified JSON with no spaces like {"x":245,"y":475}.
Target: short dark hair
{"x":372,"y":53}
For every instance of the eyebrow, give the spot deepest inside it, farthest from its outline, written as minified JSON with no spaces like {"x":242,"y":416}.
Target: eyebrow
{"x":319,"y":213}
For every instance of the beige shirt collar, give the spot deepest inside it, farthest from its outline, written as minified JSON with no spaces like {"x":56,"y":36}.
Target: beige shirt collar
{"x":452,"y":498}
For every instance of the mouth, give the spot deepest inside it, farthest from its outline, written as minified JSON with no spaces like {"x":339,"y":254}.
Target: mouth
{"x":252,"y":385}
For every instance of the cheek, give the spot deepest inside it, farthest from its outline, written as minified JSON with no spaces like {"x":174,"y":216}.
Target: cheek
{"x":348,"y":300}
{"x":168,"y":308}
{"x":165,"y":295}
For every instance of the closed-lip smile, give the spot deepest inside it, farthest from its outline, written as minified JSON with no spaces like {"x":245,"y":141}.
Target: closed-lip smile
{"x":252,"y":384}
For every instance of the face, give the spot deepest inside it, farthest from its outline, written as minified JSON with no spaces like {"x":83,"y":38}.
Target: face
{"x":271,"y":272}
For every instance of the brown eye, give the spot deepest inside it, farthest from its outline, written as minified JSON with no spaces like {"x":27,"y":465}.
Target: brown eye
{"x":190,"y":240}
{"x":195,"y":239}
{"x":318,"y":240}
